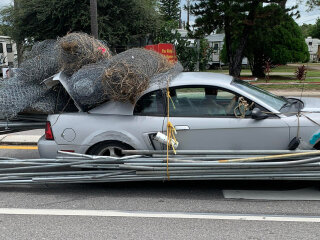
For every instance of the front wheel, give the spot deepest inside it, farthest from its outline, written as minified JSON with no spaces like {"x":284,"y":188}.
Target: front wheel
{"x":112,"y":149}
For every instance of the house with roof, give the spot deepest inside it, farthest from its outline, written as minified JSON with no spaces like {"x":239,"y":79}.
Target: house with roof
{"x":313,"y":48}
{"x":8,"y":53}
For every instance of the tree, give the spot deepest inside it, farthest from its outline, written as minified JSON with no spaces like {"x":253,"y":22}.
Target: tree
{"x":313,"y":3}
{"x":170,"y":10}
{"x":120,"y":22}
{"x":306,"y":28}
{"x":277,"y":41}
{"x":315,"y":29}
{"x":235,"y":17}
{"x":188,"y":54}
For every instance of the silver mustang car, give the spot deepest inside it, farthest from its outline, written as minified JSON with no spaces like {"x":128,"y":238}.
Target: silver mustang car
{"x":205,"y":111}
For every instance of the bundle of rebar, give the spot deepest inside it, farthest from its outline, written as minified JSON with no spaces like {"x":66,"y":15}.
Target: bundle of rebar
{"x":186,"y":165}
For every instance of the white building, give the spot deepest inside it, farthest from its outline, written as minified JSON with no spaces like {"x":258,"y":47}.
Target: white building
{"x":216,"y":41}
{"x":8,"y":53}
{"x":313,"y":48}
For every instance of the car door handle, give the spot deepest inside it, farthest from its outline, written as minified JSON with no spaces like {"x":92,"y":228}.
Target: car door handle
{"x":181,"y":127}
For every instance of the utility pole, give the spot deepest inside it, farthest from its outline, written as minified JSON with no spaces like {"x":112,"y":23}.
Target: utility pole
{"x":94,"y":18}
{"x":188,"y":13}
{"x":18,"y":43}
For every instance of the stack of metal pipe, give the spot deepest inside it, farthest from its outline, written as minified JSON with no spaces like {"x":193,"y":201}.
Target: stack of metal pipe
{"x":157,"y":166}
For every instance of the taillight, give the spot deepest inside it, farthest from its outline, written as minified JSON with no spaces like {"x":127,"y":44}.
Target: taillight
{"x":48,"y":131}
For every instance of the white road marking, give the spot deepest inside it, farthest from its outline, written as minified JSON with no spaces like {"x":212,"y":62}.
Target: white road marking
{"x":168,"y":215}
{"x":306,"y":194}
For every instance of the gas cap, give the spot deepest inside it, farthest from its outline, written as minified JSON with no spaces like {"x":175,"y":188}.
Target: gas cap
{"x":68,"y":134}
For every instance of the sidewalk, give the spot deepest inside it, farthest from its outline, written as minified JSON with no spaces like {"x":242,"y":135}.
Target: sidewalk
{"x":30,"y":137}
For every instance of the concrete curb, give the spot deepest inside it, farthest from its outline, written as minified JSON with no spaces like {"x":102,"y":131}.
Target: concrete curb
{"x":19,"y":139}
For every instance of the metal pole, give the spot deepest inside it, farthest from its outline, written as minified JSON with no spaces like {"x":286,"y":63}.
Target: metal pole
{"x":94,"y":18}
{"x":214,"y":152}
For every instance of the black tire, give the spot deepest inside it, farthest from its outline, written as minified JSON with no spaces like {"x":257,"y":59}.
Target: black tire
{"x":109,"y":148}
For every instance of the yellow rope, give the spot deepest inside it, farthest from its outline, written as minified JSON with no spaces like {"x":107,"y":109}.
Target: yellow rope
{"x":243,"y":106}
{"x":171,"y":131}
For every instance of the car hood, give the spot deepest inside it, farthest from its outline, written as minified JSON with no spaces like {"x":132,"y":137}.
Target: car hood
{"x":311,"y":104}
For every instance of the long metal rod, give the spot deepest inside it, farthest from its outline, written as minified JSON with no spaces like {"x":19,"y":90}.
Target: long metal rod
{"x":214,"y":152}
{"x":69,"y":168}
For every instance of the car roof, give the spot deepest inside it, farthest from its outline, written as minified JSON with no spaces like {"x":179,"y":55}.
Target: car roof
{"x":194,"y":78}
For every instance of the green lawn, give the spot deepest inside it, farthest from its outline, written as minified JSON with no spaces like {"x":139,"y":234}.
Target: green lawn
{"x":280,"y":69}
{"x":291,"y":87}
{"x":278,"y":76}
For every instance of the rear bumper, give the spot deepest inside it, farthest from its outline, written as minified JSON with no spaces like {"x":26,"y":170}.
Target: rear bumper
{"x":46,"y":148}
{"x":49,"y":148}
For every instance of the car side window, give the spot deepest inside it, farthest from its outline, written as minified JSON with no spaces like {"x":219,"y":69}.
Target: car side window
{"x":203,"y":101}
{"x":150,"y":104}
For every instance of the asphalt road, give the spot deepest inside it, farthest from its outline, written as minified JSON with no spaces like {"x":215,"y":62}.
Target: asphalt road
{"x":159,"y":210}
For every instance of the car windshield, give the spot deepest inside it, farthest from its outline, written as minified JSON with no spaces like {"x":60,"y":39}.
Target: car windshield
{"x":272,"y":100}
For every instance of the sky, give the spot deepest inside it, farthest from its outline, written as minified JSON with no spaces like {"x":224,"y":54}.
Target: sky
{"x":306,"y":17}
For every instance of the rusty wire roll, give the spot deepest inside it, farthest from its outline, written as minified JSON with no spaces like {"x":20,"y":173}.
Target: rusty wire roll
{"x":79,"y":49}
{"x":128,"y":74}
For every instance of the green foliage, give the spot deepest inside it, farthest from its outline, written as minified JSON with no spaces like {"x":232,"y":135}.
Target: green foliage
{"x":305,"y":29}
{"x":187,"y":52}
{"x":166,"y":32}
{"x":315,"y":29}
{"x":170,"y":10}
{"x":313,"y":3}
{"x":6,"y":18}
{"x":205,"y":53}
{"x":4,"y":30}
{"x":279,"y":41}
{"x":235,"y":18}
{"x":120,"y":22}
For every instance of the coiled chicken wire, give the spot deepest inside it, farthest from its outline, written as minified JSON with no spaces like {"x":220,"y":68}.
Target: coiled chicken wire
{"x":79,"y":49}
{"x":42,"y":63}
{"x":128,"y":74}
{"x":94,"y":76}
{"x":15,"y":96}
{"x":86,"y":85}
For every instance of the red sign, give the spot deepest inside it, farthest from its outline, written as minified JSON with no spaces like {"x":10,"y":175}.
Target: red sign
{"x":166,"y":49}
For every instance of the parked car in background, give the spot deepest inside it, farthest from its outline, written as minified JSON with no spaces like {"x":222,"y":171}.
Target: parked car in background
{"x":204,"y":110}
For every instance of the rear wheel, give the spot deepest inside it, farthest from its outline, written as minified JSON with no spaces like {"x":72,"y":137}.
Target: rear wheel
{"x":112,"y":149}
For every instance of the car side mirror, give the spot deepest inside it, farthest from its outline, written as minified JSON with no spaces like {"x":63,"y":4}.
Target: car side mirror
{"x":258,"y":115}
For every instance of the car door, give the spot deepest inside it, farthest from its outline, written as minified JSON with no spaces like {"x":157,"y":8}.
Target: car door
{"x":206,"y":119}
{"x":148,"y":118}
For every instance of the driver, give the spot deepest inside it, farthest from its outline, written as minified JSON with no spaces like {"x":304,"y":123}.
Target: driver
{"x":210,"y":104}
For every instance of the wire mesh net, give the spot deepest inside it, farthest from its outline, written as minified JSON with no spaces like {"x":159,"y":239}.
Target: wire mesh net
{"x":94,"y":76}
{"x":16,"y":96}
{"x":41,"y":63}
{"x":128,"y":74}
{"x":79,"y":49}
{"x":86,"y":85}
{"x":53,"y":101}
